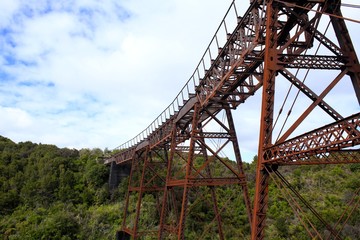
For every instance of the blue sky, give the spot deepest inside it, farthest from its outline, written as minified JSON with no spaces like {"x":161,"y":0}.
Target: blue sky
{"x":87,"y":73}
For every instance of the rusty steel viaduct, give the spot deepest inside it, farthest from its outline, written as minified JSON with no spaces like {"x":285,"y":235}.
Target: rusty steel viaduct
{"x":299,"y":57}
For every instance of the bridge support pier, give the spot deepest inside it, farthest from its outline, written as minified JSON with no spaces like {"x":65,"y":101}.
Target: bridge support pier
{"x":117,"y":173}
{"x":121,"y":235}
{"x":191,"y":174}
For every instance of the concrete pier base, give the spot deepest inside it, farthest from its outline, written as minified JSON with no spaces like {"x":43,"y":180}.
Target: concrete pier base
{"x":117,"y":173}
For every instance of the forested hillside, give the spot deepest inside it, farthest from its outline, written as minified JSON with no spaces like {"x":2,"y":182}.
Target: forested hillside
{"x":52,"y":193}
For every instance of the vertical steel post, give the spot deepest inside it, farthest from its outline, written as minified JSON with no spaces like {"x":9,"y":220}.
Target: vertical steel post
{"x":239,"y":162}
{"x":133,"y":163}
{"x":212,"y":188}
{"x":266,"y":121}
{"x":347,"y":47}
{"x":140,"y":192}
{"x":194,"y":133}
{"x":166,"y":188}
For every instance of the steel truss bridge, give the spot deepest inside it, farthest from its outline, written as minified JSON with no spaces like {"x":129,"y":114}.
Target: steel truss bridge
{"x":299,"y":56}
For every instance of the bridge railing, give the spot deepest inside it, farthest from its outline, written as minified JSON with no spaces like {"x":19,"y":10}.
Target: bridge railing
{"x":227,"y":25}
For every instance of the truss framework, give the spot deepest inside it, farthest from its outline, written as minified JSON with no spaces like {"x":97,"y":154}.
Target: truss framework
{"x":272,"y":39}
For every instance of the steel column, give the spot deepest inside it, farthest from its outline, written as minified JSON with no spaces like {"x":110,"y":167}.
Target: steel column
{"x":266,"y":121}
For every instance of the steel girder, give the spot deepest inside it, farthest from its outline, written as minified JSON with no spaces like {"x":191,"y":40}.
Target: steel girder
{"x":311,"y":147}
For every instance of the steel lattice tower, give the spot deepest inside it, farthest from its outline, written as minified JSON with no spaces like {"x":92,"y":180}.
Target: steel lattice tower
{"x":302,"y":44}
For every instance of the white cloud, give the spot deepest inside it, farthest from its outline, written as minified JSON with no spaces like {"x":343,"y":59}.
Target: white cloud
{"x":15,"y":119}
{"x":90,"y":68}
{"x":7,"y":10}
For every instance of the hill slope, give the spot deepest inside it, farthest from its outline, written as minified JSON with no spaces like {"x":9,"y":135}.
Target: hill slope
{"x":48,"y":192}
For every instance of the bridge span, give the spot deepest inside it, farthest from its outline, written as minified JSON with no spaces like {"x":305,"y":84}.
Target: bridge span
{"x":300,"y":57}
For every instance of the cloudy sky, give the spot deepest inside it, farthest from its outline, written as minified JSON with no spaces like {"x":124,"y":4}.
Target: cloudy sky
{"x":90,"y":73}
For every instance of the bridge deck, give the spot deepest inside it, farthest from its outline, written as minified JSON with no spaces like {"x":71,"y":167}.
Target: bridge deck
{"x":233,"y":75}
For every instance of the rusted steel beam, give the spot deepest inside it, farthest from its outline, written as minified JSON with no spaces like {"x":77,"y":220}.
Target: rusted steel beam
{"x":266,"y":122}
{"x":146,"y":189}
{"x":317,"y":102}
{"x":325,"y":157}
{"x":334,"y":137}
{"x":122,"y":157}
{"x":186,"y":186}
{"x":213,"y":194}
{"x":347,"y":47}
{"x":311,"y":61}
{"x":140,"y":192}
{"x":197,"y":182}
{"x":167,"y":192}
{"x":310,"y":94}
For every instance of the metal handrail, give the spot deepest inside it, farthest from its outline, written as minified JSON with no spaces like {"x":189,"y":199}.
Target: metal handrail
{"x":192,"y":83}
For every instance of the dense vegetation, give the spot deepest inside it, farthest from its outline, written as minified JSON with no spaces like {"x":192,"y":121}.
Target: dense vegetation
{"x":52,"y":193}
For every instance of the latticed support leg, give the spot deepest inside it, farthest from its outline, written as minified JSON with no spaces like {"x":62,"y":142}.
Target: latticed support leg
{"x":347,"y":46}
{"x":140,"y":194}
{"x":167,"y":190}
{"x":186,"y":177}
{"x":123,"y":226}
{"x":266,"y":122}
{"x":128,"y":225}
{"x":239,"y":163}
{"x":260,"y":204}
{"x":189,"y":165}
{"x":213,"y":193}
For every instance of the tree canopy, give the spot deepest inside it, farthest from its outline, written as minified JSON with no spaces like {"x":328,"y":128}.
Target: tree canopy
{"x":48,"y":192}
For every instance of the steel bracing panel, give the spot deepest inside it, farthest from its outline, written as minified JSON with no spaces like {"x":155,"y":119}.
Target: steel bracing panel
{"x":311,"y":146}
{"x":191,"y":175}
{"x":272,"y":41}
